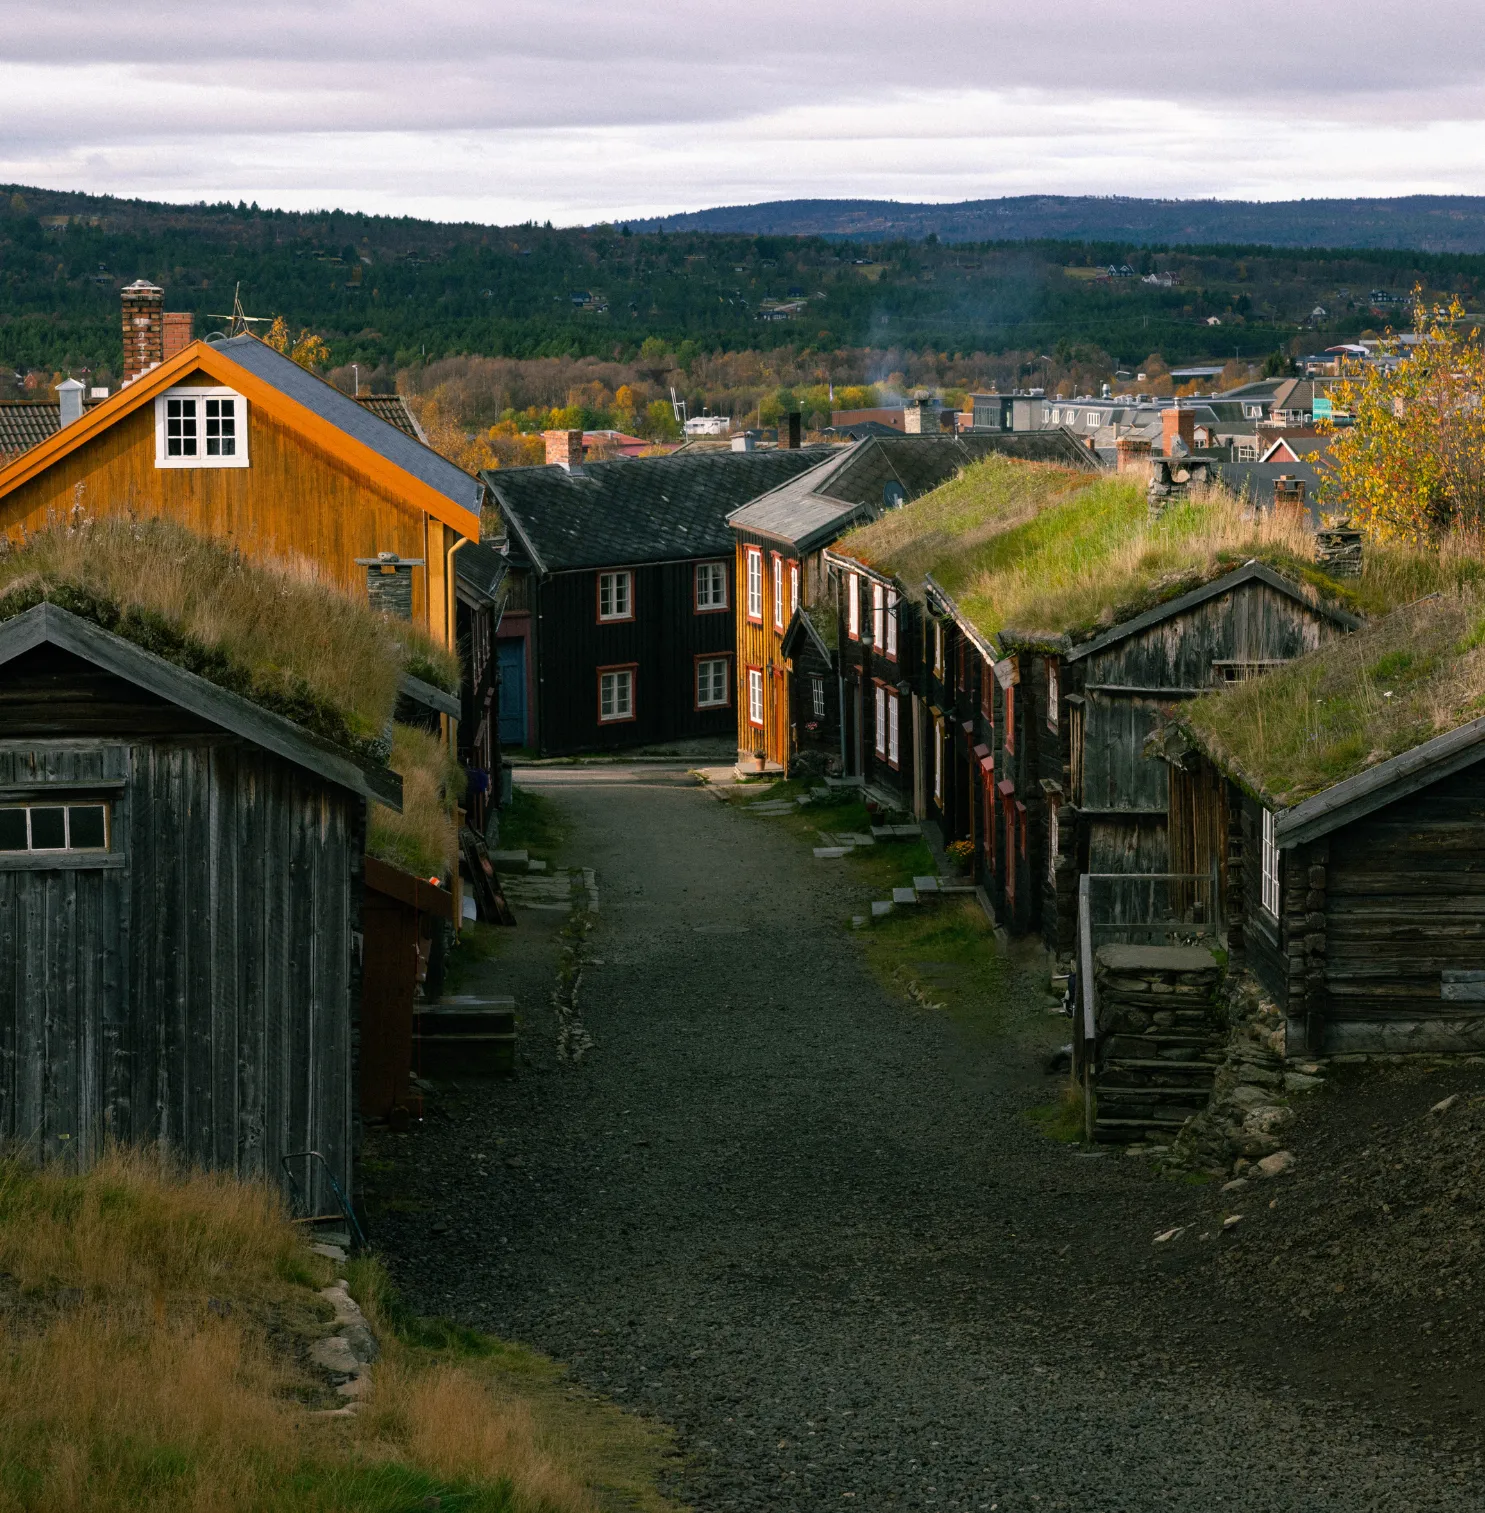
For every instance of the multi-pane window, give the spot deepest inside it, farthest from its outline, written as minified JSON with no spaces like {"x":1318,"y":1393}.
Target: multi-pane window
{"x":54,"y":827}
{"x":1054,"y":839}
{"x":1054,"y":695}
{"x":755,"y":584}
{"x":938,"y":648}
{"x":711,"y":682}
{"x":1269,"y":862}
{"x":878,"y":616}
{"x":200,"y":428}
{"x":711,"y":586}
{"x":616,"y":695}
{"x":891,"y":622}
{"x":881,"y":722}
{"x":793,"y":589}
{"x":853,"y":607}
{"x":817,"y":696}
{"x":938,"y":762}
{"x":755,"y":696}
{"x":778,"y":592}
{"x":894,"y":731}
{"x":615,"y":596}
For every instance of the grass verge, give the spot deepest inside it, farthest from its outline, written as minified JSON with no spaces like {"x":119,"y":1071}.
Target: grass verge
{"x":532,"y":822}
{"x":158,"y":1323}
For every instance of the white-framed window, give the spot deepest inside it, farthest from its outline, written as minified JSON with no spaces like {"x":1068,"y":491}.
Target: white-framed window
{"x":755,"y":696}
{"x":201,"y":428}
{"x":881,"y":721}
{"x":1054,"y":695}
{"x":711,"y":682}
{"x":853,"y":607}
{"x":1093,"y":420}
{"x":615,"y":694}
{"x":615,"y":596}
{"x":1269,"y":865}
{"x":1054,"y":838}
{"x":793,"y":589}
{"x":938,"y":648}
{"x":778,"y":592}
{"x":54,"y":826}
{"x":817,"y":696}
{"x":755,"y":583}
{"x":938,"y":762}
{"x":711,"y":586}
{"x":878,"y":616}
{"x":894,"y":730}
{"x":892,"y":622}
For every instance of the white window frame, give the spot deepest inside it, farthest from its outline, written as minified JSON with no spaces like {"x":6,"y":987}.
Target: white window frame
{"x":853,"y":607}
{"x":617,"y":686}
{"x":239,"y":457}
{"x":879,"y":735}
{"x":1269,"y":864}
{"x":711,"y":587}
{"x":620,"y":585}
{"x":878,"y":616}
{"x":793,"y":589}
{"x":938,"y":763}
{"x":778,"y":592}
{"x":755,"y":583}
{"x":1054,"y":838}
{"x":755,"y":697}
{"x":938,"y":649}
{"x":717,"y":683}
{"x":817,"y":696}
{"x":1054,"y":695}
{"x":894,"y":730}
{"x":892,"y":623}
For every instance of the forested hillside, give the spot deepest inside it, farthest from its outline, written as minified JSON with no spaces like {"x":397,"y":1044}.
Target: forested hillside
{"x":389,"y":292}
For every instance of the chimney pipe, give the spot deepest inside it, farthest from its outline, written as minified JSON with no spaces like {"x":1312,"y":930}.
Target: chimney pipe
{"x":794,"y":434}
{"x":144,"y":328}
{"x":70,"y":393}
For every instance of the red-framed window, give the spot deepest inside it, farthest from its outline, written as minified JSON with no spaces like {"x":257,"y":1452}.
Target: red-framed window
{"x":711,"y":587}
{"x":755,"y":697}
{"x":1010,"y":718}
{"x":778,"y":591}
{"x":853,"y":606}
{"x":617,"y":693}
{"x":894,"y":731}
{"x":793,"y":589}
{"x":880,"y":732}
{"x":890,"y":648}
{"x":878,"y":617}
{"x":711,"y":684}
{"x":615,"y":596}
{"x":754,"y":557}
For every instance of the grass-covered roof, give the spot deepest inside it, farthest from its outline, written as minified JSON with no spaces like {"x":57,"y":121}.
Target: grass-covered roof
{"x":1358,"y":700}
{"x":1039,"y":555}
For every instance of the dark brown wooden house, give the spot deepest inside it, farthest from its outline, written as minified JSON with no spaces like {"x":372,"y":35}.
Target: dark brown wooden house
{"x":180,"y":913}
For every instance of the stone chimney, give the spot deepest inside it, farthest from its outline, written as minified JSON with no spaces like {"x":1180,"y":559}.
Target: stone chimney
{"x":144,"y":328}
{"x":1133,"y":453}
{"x":70,"y":393}
{"x":1177,"y":424}
{"x":564,"y":449}
{"x":177,"y":332}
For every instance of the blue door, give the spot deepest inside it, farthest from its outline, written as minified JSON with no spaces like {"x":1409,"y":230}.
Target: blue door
{"x":512,"y":693}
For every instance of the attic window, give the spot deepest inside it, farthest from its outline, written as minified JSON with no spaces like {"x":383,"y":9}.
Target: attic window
{"x":201,"y":428}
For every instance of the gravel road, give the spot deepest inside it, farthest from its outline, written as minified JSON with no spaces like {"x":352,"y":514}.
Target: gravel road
{"x":809,"y":1225}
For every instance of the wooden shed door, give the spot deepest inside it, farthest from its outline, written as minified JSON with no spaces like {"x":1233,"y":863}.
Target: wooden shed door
{"x":1198,"y":827}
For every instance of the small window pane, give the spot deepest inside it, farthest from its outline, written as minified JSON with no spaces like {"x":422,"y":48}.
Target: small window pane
{"x":12,"y":829}
{"x":48,"y":829}
{"x":85,"y":827}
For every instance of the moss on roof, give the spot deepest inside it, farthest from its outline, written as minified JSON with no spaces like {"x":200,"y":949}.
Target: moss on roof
{"x":276,"y":635}
{"x":1037,"y":555}
{"x":1360,"y":699}
{"x":423,"y":839}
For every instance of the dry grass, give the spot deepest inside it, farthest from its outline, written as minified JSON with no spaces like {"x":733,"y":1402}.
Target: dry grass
{"x":1358,"y":700}
{"x":277,"y":633}
{"x":156,"y":1323}
{"x":423,"y":839}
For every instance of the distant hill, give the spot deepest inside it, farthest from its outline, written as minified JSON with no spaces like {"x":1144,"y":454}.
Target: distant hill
{"x":1421,"y":222}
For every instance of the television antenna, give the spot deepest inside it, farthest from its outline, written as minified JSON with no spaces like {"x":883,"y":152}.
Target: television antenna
{"x":238,"y":322}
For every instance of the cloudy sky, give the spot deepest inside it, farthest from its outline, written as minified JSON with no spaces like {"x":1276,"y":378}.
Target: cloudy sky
{"x":584,"y":111}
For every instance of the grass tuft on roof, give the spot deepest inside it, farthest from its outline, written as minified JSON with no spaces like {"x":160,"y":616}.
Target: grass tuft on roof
{"x":1039,"y":555}
{"x":1360,"y":699}
{"x":278,"y":635}
{"x":423,"y":839}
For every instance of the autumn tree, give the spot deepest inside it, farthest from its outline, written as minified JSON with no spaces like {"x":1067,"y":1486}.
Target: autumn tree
{"x":1411,"y":464}
{"x":306,"y":349}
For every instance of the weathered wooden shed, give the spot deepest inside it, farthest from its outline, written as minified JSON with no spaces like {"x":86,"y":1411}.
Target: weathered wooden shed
{"x":181,"y":877}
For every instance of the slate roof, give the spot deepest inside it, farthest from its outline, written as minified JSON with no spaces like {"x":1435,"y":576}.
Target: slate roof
{"x":364,"y":424}
{"x":480,"y":569}
{"x":24,"y":422}
{"x":879,"y":472}
{"x":393,"y":409}
{"x":1256,"y":480}
{"x":642,"y":509}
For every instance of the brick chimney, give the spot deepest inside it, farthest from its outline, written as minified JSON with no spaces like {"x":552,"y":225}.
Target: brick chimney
{"x":564,"y":449}
{"x":144,"y":328}
{"x":1177,"y":424}
{"x":1133,"y":453}
{"x":178,"y":325}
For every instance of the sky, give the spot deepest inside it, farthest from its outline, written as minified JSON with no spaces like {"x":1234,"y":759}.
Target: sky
{"x":581,"y":111}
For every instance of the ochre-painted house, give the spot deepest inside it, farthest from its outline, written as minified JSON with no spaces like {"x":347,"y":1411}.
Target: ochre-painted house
{"x":235,"y":441}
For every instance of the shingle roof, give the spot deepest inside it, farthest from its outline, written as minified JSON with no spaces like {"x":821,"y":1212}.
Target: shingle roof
{"x":24,"y":422}
{"x":393,"y":409}
{"x":644,"y":509}
{"x":359,"y":421}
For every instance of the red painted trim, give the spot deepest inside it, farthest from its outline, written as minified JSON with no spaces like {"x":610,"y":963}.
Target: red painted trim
{"x":611,"y":572}
{"x":776,"y":587}
{"x":709,"y":609}
{"x":632,"y":668}
{"x":697,"y":707}
{"x":762,"y":691}
{"x":749,"y":553}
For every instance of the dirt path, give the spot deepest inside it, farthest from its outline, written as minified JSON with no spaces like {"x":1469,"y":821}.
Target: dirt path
{"x":810,"y":1226}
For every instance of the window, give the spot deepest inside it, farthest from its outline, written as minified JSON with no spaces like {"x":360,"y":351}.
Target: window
{"x":615,"y":694}
{"x":853,"y":608}
{"x":711,"y":587}
{"x":817,"y":696}
{"x":938,"y":762}
{"x":878,"y":615}
{"x":712,"y":682}
{"x":793,"y":589}
{"x":1093,"y":420}
{"x":894,"y":732}
{"x":1054,"y":695}
{"x":54,"y":827}
{"x":200,"y":428}
{"x":1010,"y":719}
{"x":881,"y":723}
{"x":1269,"y":861}
{"x":755,"y":584}
{"x":892,"y":623}
{"x":755,"y":696}
{"x":615,"y":596}
{"x":778,"y":592}
{"x":938,"y":648}
{"x":1054,"y":838}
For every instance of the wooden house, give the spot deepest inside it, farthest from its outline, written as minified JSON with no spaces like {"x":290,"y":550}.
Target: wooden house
{"x":181,"y":885}
{"x":619,"y":600}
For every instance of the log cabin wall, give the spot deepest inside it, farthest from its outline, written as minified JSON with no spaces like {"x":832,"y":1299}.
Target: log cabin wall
{"x":760,"y":647}
{"x":199,"y":982}
{"x":1264,"y":947}
{"x":293,"y":499}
